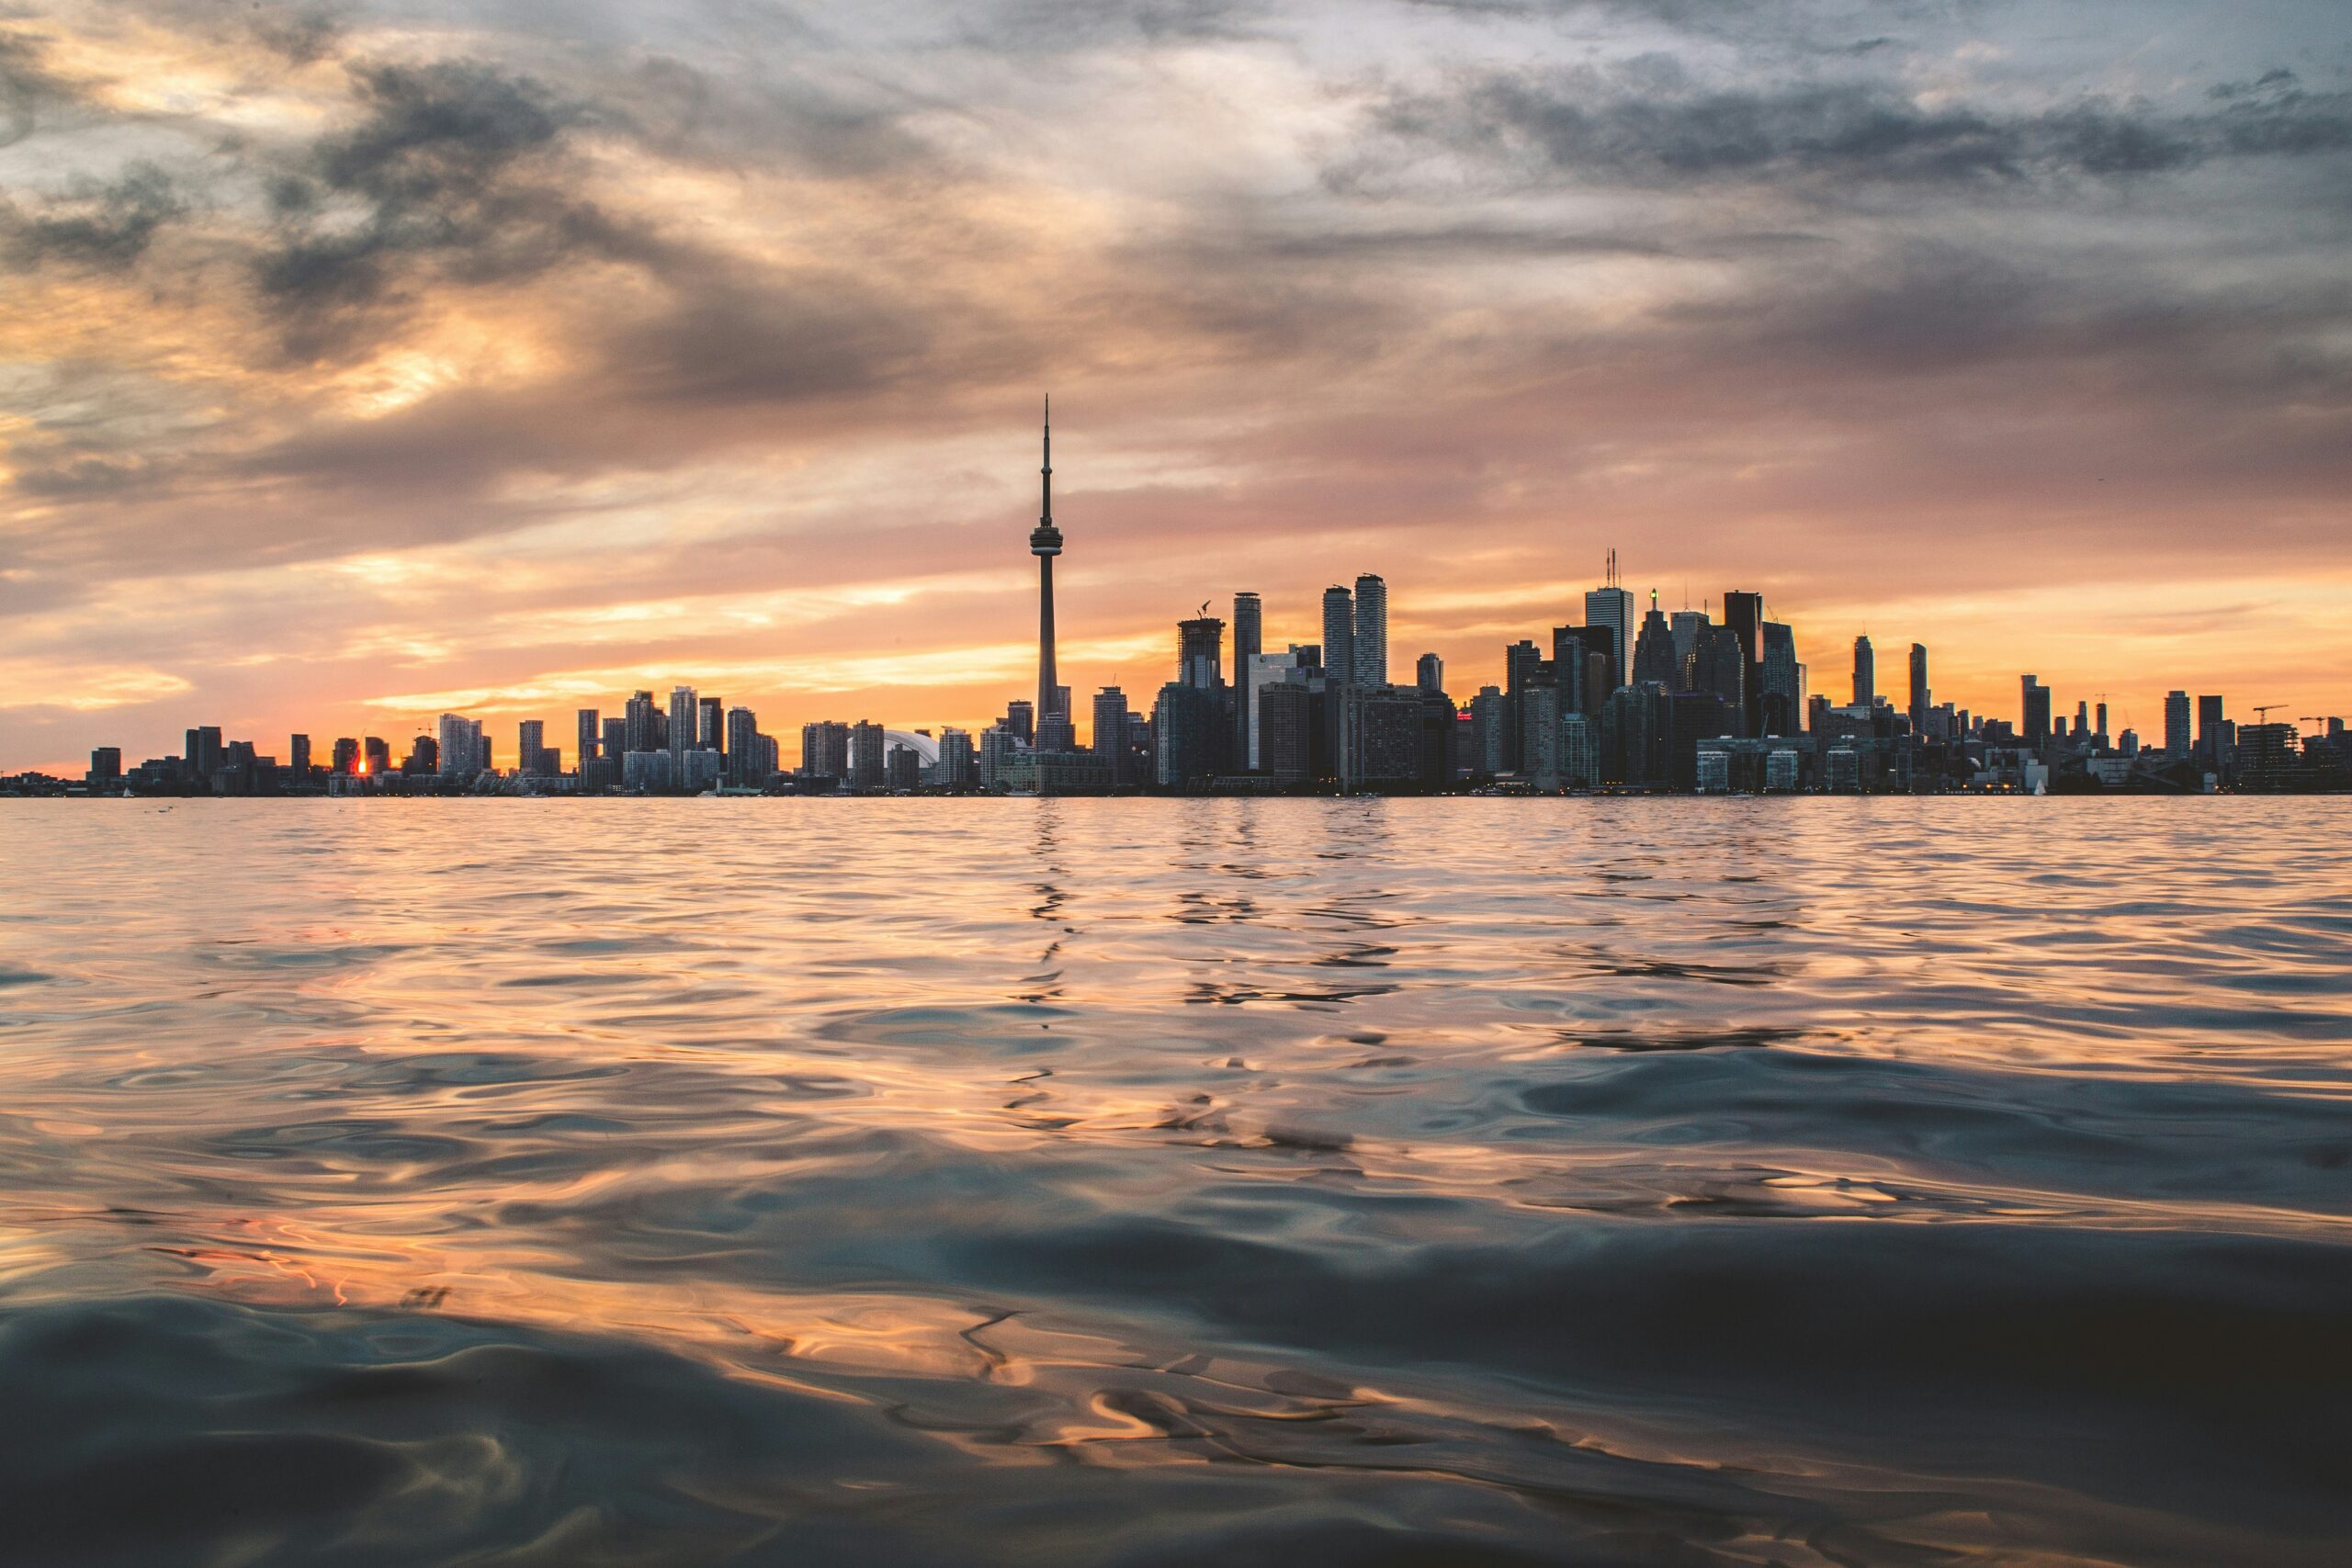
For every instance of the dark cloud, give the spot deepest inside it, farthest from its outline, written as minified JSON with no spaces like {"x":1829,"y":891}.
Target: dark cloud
{"x":26,"y":87}
{"x":1646,"y":125}
{"x":105,"y":225}
{"x":455,"y":167}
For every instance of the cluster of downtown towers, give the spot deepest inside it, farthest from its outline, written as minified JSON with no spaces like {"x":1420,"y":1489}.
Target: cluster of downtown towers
{"x":1665,"y":701}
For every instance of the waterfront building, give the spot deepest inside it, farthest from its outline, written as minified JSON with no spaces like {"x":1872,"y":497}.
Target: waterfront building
{"x":1339,"y":635}
{"x":902,"y":768}
{"x":1379,"y":737}
{"x":651,"y":772}
{"x":1200,"y":653}
{"x":298,"y":756}
{"x":1248,"y":618}
{"x":867,"y":759}
{"x":1744,"y":616}
{"x":459,"y":746}
{"x":824,"y":751}
{"x":1284,"y":742}
{"x":959,"y":764}
{"x":742,"y":751}
{"x":640,"y":728}
{"x":1185,"y":731}
{"x":588,"y":742}
{"x":530,"y":740}
{"x":684,"y":713}
{"x":1689,"y":625}
{"x":2033,"y":721}
{"x":1865,"y":674}
{"x":2209,"y":740}
{"x":1285,"y":669}
{"x":1610,"y":609}
{"x":1922,"y":700}
{"x":1368,"y":663}
{"x":1654,"y":659}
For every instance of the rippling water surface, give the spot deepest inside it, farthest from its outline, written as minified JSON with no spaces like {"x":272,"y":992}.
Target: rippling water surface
{"x":1297,"y":1182}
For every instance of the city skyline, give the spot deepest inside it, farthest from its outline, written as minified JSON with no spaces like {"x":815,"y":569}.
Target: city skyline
{"x":374,"y":361}
{"x":1356,"y":638}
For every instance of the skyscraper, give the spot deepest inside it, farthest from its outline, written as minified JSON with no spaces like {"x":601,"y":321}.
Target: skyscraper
{"x":1045,"y":543}
{"x":743,"y":751}
{"x":1780,"y":703}
{"x":1248,"y":617}
{"x":1339,"y":634}
{"x":1611,"y":608}
{"x":298,"y":756}
{"x":1200,"y":653}
{"x":590,"y":733}
{"x":710,"y":730}
{"x":529,"y":741}
{"x":641,"y":724}
{"x":684,"y":711}
{"x":2210,"y":738}
{"x":2176,"y":723}
{"x":459,"y":746}
{"x":1744,"y":613}
{"x":1653,"y":657}
{"x":867,"y":758}
{"x":1865,"y":674}
{"x":1369,"y":664}
{"x":2033,"y":726}
{"x":1109,"y":739}
{"x":1921,"y":699}
{"x":1429,"y":672}
{"x":1689,"y":626}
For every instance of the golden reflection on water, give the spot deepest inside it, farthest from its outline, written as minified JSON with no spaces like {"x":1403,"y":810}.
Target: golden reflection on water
{"x":1170,"y":1135}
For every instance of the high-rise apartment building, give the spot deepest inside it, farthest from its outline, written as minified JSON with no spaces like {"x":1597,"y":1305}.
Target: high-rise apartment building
{"x":1339,"y":634}
{"x":2176,"y":735}
{"x":867,"y":755}
{"x":1368,"y":662}
{"x":1429,"y":672}
{"x":684,"y":715}
{"x":1865,"y":674}
{"x":742,"y":749}
{"x":1248,"y":629}
{"x":1922,"y":700}
{"x":459,"y":746}
{"x":1200,"y":653}
{"x":824,"y":750}
{"x":589,"y":740}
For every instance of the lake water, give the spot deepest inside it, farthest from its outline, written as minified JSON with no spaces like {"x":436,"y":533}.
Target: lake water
{"x":1155,"y":1182}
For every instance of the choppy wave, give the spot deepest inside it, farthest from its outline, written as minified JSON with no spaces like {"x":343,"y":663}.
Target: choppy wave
{"x":1795,"y":1182}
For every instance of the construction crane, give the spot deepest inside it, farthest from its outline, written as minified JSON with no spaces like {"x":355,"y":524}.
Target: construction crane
{"x":2264,"y":709}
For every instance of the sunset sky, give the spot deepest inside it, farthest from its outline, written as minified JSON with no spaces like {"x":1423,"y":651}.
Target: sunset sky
{"x":366,"y":360}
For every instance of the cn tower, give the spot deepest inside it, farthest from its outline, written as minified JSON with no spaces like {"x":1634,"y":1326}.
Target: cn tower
{"x":1045,"y":543}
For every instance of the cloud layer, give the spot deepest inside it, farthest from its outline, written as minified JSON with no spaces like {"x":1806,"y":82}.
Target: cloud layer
{"x":378,"y":356}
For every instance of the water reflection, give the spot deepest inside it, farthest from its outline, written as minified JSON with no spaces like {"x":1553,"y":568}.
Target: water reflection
{"x":1796,"y":1182}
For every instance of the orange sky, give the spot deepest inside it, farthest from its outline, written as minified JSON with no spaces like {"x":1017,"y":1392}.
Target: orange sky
{"x":371,"y":361}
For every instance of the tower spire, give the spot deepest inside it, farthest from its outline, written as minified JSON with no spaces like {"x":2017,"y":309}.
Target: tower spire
{"x":1045,"y":471}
